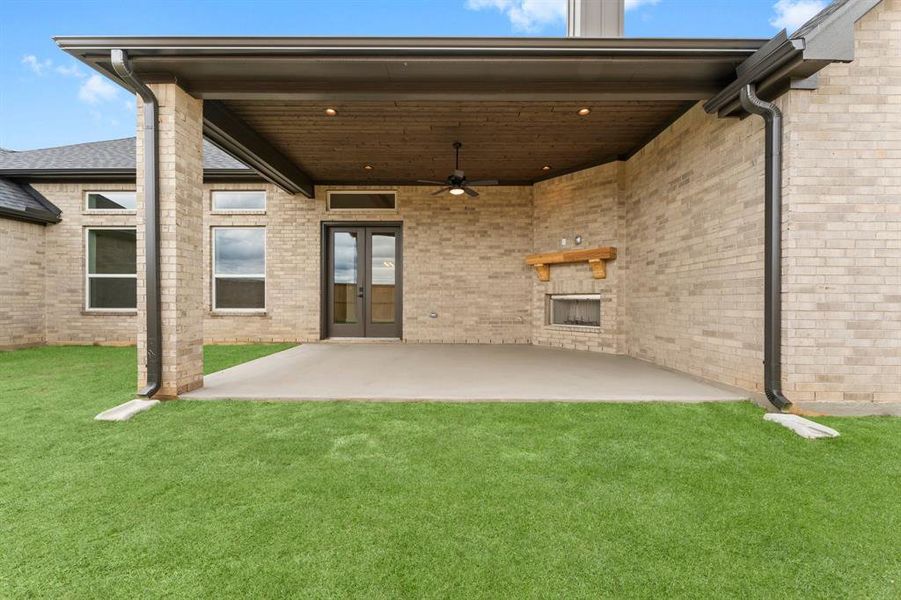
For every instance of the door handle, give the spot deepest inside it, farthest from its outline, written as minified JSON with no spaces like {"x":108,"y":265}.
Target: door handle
{"x":360,"y":292}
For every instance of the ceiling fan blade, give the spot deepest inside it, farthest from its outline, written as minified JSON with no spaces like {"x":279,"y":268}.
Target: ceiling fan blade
{"x":431,"y":181}
{"x":470,"y":192}
{"x":482,"y":182}
{"x":440,"y":191}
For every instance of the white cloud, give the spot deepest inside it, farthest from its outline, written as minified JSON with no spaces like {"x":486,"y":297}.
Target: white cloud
{"x":97,"y":89}
{"x":633,"y":4}
{"x":525,"y":15}
{"x":70,"y":71}
{"x":791,"y":14}
{"x":531,"y":15}
{"x":37,"y":66}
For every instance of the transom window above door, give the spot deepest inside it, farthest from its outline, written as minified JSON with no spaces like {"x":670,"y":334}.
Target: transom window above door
{"x":360,"y":200}
{"x":111,"y":200}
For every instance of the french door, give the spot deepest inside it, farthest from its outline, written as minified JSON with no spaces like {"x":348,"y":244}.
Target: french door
{"x":363,"y":281}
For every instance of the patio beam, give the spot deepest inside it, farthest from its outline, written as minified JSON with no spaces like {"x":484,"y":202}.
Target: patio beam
{"x":225,"y":129}
{"x":448,"y":91}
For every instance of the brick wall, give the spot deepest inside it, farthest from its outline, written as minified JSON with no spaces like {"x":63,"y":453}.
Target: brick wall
{"x":68,"y":321}
{"x":694,"y":234}
{"x":22,"y":308}
{"x":586,"y":203}
{"x":842,"y":255}
{"x":181,"y":213}
{"x":463,"y":259}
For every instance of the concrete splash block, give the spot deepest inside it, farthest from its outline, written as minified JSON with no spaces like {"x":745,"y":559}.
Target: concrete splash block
{"x":125,"y":411}
{"x":803,"y":427}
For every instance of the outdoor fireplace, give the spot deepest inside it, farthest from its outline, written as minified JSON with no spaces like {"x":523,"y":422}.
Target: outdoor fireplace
{"x":574,"y":310}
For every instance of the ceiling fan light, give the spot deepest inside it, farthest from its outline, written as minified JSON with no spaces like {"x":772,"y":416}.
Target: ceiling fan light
{"x":456,"y":191}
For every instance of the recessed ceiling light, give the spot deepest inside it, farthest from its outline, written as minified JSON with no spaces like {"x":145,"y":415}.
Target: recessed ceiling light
{"x":546,"y":168}
{"x":367,"y":167}
{"x":331,"y":112}
{"x":584,"y":112}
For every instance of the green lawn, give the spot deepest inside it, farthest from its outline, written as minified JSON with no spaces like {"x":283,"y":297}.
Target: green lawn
{"x":230,"y":499}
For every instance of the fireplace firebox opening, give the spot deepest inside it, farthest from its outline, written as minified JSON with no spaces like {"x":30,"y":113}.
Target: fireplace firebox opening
{"x":574,"y":310}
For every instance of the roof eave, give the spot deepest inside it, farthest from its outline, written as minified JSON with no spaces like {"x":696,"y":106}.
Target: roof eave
{"x":785,"y":61}
{"x":39,"y":217}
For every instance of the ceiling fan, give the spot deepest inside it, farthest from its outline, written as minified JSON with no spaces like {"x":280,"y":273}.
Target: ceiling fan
{"x":456,"y":183}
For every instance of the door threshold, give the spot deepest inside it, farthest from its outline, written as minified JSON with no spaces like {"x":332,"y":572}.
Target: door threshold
{"x":361,"y":340}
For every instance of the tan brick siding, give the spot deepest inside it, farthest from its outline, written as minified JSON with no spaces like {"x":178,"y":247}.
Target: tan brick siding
{"x":68,"y":320}
{"x":694,"y":231}
{"x":22,"y":308}
{"x":181,"y":239}
{"x":842,"y":255}
{"x":462,"y":259}
{"x":589,"y":204}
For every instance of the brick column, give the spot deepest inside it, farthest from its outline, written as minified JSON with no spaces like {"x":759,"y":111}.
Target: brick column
{"x":181,"y":240}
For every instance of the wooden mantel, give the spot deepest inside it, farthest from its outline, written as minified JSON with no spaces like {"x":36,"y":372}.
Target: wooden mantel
{"x":595,"y":257}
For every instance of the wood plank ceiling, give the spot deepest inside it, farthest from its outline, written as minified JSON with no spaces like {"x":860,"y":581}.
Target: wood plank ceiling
{"x":406,"y":141}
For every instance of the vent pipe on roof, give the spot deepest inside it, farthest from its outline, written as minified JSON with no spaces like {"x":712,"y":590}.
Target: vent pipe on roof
{"x":154,"y":342}
{"x":595,"y":18}
{"x":772,"y":303}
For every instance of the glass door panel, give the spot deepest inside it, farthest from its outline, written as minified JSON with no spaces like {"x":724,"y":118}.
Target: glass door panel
{"x":345,"y":282}
{"x":383,"y":259}
{"x":345,"y":277}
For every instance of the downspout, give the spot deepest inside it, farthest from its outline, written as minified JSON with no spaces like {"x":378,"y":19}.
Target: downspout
{"x":154,"y":359}
{"x":772,"y":308}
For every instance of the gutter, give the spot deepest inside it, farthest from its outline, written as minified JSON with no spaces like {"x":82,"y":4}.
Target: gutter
{"x":772,"y":307}
{"x":154,"y":361}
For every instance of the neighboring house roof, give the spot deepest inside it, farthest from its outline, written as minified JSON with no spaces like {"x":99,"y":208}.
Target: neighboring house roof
{"x":106,"y":160}
{"x":21,"y":202}
{"x":110,"y":158}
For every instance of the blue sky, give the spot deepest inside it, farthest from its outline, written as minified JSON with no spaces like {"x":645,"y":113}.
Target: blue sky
{"x":48,"y":99}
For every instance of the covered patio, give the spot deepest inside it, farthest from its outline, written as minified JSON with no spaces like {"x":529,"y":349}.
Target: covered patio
{"x":453,"y":372}
{"x":594,"y":145}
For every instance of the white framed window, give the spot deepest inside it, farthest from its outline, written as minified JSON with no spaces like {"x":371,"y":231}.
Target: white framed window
{"x":238,"y":201}
{"x":362,"y":200}
{"x":239,"y":269}
{"x":111,"y":269}
{"x":118,"y":200}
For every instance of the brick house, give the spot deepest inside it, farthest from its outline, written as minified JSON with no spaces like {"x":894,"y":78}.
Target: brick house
{"x":279,"y":158}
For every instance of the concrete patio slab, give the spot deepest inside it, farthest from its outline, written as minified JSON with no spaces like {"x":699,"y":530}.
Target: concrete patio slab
{"x":453,"y":372}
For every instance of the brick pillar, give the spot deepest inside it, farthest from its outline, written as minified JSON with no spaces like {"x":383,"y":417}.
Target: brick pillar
{"x":181,"y":240}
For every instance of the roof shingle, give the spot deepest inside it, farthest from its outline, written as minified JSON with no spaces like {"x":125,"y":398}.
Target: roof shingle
{"x":106,"y":155}
{"x":21,"y":201}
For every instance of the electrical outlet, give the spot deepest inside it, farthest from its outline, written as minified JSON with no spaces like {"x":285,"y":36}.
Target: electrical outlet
{"x":562,"y":242}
